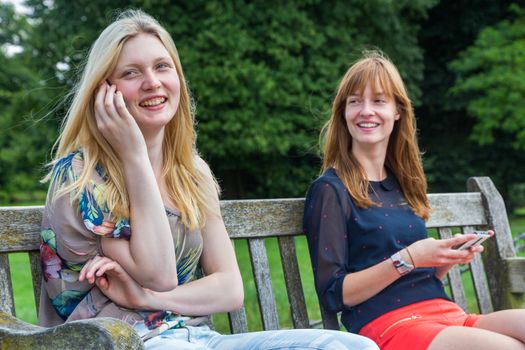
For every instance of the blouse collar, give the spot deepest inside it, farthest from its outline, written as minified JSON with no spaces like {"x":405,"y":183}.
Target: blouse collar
{"x":387,"y":184}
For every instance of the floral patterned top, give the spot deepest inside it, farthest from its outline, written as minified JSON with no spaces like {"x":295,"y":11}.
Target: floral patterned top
{"x":71,"y":232}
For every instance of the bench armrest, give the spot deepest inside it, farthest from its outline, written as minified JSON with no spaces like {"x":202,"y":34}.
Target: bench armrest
{"x":97,"y":333}
{"x":516,"y":268}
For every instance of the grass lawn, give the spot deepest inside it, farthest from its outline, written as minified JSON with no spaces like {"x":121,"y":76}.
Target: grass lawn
{"x":25,"y":305}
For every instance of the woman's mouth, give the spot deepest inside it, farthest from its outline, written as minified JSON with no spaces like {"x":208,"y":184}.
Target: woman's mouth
{"x":368,"y":125}
{"x":153,"y":102}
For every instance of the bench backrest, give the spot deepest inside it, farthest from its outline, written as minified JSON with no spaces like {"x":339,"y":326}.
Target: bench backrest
{"x":258,"y":220}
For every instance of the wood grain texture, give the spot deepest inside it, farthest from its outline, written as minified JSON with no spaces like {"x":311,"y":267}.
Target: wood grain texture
{"x":7,"y":303}
{"x":238,"y":321}
{"x":263,"y":284}
{"x":293,"y":283}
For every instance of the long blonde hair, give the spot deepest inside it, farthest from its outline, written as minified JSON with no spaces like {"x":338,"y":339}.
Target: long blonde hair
{"x":189,"y":182}
{"x":403,"y":157}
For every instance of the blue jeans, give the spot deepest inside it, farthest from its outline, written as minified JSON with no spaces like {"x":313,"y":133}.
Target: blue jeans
{"x":203,"y":338}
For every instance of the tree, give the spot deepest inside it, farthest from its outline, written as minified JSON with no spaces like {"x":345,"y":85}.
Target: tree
{"x":20,"y":141}
{"x":262,"y":73}
{"x":451,"y":154}
{"x":491,"y":76}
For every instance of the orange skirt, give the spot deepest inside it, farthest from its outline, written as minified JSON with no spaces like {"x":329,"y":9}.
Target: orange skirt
{"x":416,"y":324}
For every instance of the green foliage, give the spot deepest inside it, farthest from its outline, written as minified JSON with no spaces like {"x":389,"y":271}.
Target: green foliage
{"x":451,"y":154}
{"x":491,"y":76}
{"x":262,"y":74}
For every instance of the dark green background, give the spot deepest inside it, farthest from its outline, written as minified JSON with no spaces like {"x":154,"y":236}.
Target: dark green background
{"x":263,"y":73}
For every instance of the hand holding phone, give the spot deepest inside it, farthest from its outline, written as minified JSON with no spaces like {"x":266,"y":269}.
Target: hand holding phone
{"x":481,"y":236}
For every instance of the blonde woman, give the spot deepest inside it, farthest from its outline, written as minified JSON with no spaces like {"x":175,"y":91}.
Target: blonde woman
{"x":364,"y":219}
{"x":132,"y":208}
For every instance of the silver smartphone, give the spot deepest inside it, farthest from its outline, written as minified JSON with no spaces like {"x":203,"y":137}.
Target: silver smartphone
{"x":481,"y":236}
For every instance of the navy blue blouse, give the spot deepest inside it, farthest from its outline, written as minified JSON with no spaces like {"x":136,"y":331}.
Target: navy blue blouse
{"x":344,"y":238}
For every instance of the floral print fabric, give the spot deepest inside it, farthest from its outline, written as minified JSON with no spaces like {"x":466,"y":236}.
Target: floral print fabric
{"x":71,"y":229}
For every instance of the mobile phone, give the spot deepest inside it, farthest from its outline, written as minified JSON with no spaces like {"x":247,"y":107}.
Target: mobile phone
{"x":481,"y":236}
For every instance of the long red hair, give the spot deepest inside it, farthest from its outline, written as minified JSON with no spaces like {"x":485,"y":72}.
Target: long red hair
{"x":403,"y":157}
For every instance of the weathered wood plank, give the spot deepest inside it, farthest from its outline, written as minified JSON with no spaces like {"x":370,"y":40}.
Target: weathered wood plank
{"x":7,"y":303}
{"x":516,"y":268}
{"x":36,"y":273}
{"x":496,"y":214}
{"x":263,"y":283}
{"x":479,"y":280}
{"x":456,"y":209}
{"x":263,"y":217}
{"x":238,"y":321}
{"x":292,"y":279}
{"x":20,"y":228}
{"x":454,"y":276}
{"x":90,"y":334}
{"x":501,"y":246}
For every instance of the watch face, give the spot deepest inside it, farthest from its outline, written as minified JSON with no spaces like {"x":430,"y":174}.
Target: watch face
{"x":402,"y":266}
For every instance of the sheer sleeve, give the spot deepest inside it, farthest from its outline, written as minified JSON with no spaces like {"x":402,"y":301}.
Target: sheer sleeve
{"x":325,"y":227}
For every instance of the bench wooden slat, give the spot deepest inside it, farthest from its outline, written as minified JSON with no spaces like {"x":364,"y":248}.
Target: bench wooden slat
{"x":516,"y":268}
{"x":479,"y":280}
{"x":456,"y":209}
{"x":36,"y":273}
{"x":263,"y":217}
{"x":7,"y":303}
{"x":263,"y":283}
{"x":500,"y":248}
{"x":238,"y":321}
{"x":20,"y":228}
{"x":292,"y":279}
{"x":454,"y":276}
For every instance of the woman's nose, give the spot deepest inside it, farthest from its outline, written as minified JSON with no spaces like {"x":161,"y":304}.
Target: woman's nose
{"x":151,"y":81}
{"x":366,"y":109}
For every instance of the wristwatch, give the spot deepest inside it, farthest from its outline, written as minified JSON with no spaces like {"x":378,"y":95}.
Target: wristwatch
{"x":401,"y":265}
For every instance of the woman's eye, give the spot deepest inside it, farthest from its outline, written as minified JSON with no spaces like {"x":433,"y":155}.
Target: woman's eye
{"x":163,"y":66}
{"x":129,"y":73}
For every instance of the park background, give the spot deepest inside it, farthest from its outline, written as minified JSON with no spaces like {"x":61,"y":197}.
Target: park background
{"x":262,"y":76}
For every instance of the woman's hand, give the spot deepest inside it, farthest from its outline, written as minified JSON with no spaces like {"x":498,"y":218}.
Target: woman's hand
{"x":432,"y":252}
{"x":116,"y":123}
{"x":114,"y":282}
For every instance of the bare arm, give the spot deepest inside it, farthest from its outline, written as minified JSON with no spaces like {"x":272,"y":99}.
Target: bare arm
{"x":220,"y":290}
{"x":149,"y":256}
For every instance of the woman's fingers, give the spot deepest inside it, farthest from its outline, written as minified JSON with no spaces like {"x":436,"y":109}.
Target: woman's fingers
{"x":102,"y":283}
{"x":100,"y":112}
{"x":93,"y":266}
{"x":121,"y":108}
{"x":109,"y":102}
{"x":458,"y":239}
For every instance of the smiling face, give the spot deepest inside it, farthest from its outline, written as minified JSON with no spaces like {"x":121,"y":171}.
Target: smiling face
{"x":370,"y":118}
{"x":147,"y":78}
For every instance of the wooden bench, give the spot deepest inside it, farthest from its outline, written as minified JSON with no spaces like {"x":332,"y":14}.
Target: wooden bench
{"x":498,"y":278}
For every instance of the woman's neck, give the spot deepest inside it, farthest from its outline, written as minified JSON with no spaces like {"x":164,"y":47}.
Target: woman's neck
{"x":373,"y":163}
